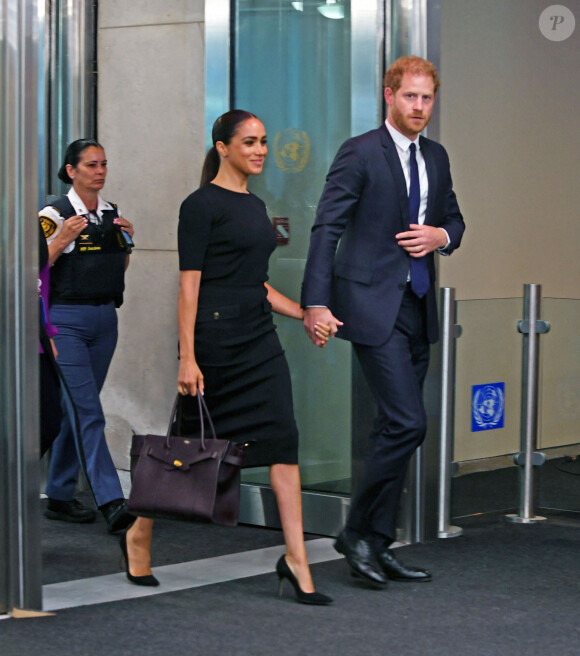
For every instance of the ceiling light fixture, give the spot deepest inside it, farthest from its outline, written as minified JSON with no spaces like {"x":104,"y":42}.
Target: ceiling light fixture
{"x":331,"y":9}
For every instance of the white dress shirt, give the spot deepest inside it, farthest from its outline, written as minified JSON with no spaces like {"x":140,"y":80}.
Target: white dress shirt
{"x":403,"y":151}
{"x":53,"y":215}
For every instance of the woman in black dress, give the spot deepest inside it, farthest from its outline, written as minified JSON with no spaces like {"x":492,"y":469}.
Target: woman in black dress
{"x":229,"y":349}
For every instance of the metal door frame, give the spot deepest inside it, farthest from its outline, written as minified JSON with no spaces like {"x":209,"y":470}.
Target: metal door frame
{"x":21,"y":23}
{"x":44,"y":106}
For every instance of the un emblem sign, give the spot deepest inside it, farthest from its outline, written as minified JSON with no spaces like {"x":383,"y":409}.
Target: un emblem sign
{"x":291,"y":149}
{"x":487,"y":406}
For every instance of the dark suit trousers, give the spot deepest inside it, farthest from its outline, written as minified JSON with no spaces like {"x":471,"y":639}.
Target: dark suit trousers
{"x":395,"y":372}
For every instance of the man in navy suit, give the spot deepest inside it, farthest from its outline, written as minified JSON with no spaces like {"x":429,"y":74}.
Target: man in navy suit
{"x":387,"y":206}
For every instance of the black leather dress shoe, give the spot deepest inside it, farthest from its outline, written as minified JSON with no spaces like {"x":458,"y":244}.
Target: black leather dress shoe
{"x":116,"y":515}
{"x":359,"y":555}
{"x":69,"y":511}
{"x":396,"y":571}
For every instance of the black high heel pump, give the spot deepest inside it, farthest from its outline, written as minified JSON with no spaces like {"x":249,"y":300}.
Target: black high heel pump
{"x":148,"y":579}
{"x":315,"y":598}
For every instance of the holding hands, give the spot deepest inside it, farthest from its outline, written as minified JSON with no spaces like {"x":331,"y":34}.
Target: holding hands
{"x":322,"y":333}
{"x":320,"y":325}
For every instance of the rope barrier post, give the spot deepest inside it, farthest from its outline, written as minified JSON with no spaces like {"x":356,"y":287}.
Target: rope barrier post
{"x":531,"y":328}
{"x":450,"y":331}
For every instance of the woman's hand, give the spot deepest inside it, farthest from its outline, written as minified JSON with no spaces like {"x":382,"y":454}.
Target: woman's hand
{"x":53,"y":346}
{"x":318,"y":320}
{"x":322,"y":332}
{"x":125,"y":225}
{"x":71,"y":229}
{"x":189,"y":378}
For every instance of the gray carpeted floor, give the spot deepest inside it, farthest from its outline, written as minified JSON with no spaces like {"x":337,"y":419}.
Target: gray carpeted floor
{"x":77,"y":551}
{"x":500,"y":589}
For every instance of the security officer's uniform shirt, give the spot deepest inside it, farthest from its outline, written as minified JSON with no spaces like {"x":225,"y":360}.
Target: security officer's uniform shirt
{"x":91,"y":268}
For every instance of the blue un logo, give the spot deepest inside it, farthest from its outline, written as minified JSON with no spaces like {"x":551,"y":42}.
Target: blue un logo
{"x":487,"y":406}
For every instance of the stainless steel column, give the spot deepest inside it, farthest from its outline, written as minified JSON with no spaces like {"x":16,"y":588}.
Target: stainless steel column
{"x":531,"y":327}
{"x":21,"y":25}
{"x":450,"y":331}
{"x":414,"y":28}
{"x":71,"y":69}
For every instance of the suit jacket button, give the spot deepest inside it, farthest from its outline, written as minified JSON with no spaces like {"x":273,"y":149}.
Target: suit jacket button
{"x":216,"y":315}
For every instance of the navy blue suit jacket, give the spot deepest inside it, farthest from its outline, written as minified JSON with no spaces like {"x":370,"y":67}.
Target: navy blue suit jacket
{"x":355,"y":266}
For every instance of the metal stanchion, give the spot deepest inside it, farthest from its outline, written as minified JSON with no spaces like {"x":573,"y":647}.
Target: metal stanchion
{"x":450,"y":331}
{"x":530,"y":327}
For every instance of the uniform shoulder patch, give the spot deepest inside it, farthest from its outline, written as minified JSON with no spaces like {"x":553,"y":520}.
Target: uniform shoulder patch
{"x":49,"y":226}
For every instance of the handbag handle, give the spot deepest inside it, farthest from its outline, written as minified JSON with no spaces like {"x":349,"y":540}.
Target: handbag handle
{"x":202,"y":406}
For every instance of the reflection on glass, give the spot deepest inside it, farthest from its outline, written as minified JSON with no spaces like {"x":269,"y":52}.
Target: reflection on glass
{"x":292,"y":69}
{"x":560,"y":373}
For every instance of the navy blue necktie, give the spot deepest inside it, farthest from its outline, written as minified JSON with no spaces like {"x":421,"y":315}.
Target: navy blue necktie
{"x":419,"y":274}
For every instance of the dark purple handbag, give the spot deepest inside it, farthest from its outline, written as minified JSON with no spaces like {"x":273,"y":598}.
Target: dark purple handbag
{"x":186,"y":478}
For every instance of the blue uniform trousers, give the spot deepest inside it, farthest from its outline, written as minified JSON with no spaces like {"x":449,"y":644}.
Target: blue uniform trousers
{"x":86,"y":340}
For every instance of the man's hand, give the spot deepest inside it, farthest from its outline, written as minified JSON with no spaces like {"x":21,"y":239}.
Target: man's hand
{"x":422,"y":239}
{"x":317,"y":321}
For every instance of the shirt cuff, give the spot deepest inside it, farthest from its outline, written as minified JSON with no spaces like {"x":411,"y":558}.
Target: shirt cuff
{"x":443,"y":249}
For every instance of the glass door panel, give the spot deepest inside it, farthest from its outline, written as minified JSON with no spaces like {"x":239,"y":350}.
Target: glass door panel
{"x":292,"y":68}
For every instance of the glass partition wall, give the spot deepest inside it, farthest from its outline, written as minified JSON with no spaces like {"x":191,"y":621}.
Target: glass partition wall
{"x":296,"y":78}
{"x":488,"y":406}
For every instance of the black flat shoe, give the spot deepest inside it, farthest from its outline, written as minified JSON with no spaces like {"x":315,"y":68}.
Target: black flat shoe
{"x":360,"y":557}
{"x":116,"y":515}
{"x":69,"y":511}
{"x":314,"y":598}
{"x":148,"y":579}
{"x":396,"y":571}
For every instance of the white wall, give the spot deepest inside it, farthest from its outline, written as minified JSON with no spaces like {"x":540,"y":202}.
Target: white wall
{"x":509,"y":113}
{"x":150,"y":121}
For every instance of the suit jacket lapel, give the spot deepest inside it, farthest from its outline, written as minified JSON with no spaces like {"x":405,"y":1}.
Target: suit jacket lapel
{"x":392,"y":157}
{"x":431,"y":177}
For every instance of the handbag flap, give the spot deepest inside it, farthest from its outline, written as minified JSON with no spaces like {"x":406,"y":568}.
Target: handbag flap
{"x":183,"y":452}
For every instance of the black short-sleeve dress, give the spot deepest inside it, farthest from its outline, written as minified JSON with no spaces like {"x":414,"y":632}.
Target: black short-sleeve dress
{"x":228,"y":237}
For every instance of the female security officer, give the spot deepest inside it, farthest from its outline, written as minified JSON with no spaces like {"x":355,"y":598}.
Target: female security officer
{"x":89,"y":246}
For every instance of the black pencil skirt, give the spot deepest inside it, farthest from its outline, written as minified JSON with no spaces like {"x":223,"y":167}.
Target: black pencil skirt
{"x":247,"y":386}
